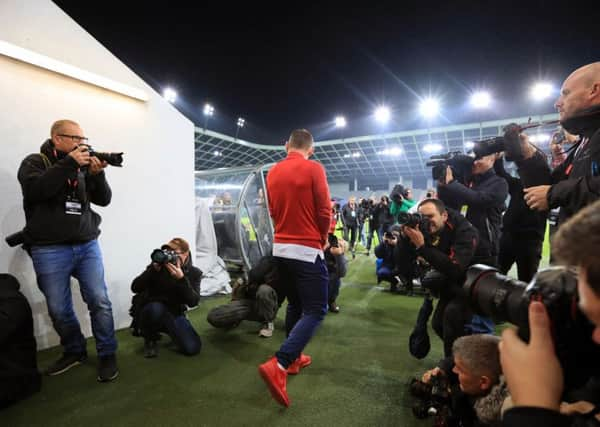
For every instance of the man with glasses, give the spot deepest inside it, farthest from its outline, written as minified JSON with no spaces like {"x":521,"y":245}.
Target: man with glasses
{"x":165,"y":290}
{"x":59,"y":185}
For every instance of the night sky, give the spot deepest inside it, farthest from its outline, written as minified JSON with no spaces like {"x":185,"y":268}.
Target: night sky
{"x":300,"y":65}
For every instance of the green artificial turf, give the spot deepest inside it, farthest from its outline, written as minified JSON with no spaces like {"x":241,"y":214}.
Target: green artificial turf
{"x":360,"y":369}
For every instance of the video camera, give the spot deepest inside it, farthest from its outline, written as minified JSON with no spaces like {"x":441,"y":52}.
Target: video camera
{"x":432,"y":399}
{"x":113,"y":159}
{"x":509,"y":142}
{"x":460,"y":164}
{"x":505,"y":299}
{"x":163,"y":256}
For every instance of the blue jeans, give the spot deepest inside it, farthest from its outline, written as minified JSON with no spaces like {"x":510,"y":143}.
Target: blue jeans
{"x":306,"y":292}
{"x":385,"y":273}
{"x":156,"y":318}
{"x":54,"y":265}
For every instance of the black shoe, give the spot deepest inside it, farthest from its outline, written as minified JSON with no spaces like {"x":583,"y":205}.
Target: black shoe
{"x":333,"y":307}
{"x":66,"y":362}
{"x":150,"y":348}
{"x":107,"y":368}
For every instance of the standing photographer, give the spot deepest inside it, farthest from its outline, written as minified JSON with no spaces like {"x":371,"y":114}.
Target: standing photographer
{"x":575,"y":183}
{"x":59,"y":185}
{"x":383,"y":218}
{"x":447,"y":241}
{"x":522,"y":230}
{"x":167,"y":286}
{"x":484,"y":198}
{"x":350,"y":220}
{"x":532,"y":370}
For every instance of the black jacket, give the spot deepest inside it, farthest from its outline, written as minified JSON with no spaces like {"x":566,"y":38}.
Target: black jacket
{"x":19,"y":376}
{"x":385,"y":252}
{"x":382,"y":216}
{"x":160,"y":286}
{"x":450,"y":252}
{"x":45,"y":190}
{"x":575,"y":183}
{"x":485,"y":200}
{"x":518,"y":218}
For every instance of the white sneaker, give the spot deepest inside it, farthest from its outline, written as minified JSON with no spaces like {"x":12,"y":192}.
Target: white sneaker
{"x":267,"y":330}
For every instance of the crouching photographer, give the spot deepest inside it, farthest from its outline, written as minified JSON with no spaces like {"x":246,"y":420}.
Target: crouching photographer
{"x":555,"y":354}
{"x":256,"y":299}
{"x":447,"y":242}
{"x":163,"y":290}
{"x":478,"y":396}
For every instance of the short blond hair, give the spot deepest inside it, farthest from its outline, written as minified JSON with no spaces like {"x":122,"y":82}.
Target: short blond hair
{"x":300,"y":139}
{"x":58,"y":125}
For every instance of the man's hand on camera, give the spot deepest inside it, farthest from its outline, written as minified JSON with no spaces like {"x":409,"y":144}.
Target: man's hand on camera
{"x":532,"y":371}
{"x":432,"y":373}
{"x":537,"y":197}
{"x":81,"y":155}
{"x":175,"y":269}
{"x":415,"y":236}
{"x":580,"y":407}
{"x":96,"y":165}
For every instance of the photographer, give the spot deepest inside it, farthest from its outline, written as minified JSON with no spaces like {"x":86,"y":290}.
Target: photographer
{"x":59,"y":185}
{"x":447,"y":241}
{"x":532,"y":370}
{"x":522,"y":230}
{"x":402,"y":200}
{"x":167,"y":286}
{"x":385,"y":252}
{"x":485,"y":204}
{"x":373,"y":225}
{"x":256,"y":299}
{"x":575,"y":183}
{"x":383,"y":218}
{"x":350,"y":213}
{"x":337,"y":266}
{"x":481,"y":391}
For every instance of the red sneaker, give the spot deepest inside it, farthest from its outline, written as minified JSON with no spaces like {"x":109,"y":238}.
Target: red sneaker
{"x":301,"y":362}
{"x":276,"y":379}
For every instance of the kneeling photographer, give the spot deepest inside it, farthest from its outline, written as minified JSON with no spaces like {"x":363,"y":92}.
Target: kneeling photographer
{"x":479,"y":394}
{"x":447,"y":241}
{"x":163,"y":290}
{"x":562,"y":352}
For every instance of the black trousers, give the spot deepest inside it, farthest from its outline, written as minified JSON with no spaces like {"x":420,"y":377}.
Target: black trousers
{"x":526,"y":252}
{"x":353,"y":230}
{"x":449,"y":320}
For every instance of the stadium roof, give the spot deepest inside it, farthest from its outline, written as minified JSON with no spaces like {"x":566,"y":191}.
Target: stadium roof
{"x":389,"y":155}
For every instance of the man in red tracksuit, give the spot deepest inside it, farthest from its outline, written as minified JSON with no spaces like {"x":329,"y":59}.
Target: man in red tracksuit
{"x":301,"y":210}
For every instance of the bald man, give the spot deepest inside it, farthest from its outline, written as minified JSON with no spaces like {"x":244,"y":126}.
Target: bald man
{"x":576,"y":182}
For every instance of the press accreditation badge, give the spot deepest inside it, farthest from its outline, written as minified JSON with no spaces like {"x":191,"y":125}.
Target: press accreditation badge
{"x":73,"y":206}
{"x":353,"y":214}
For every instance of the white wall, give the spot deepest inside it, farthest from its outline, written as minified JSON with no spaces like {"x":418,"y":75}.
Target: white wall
{"x":153,"y":194}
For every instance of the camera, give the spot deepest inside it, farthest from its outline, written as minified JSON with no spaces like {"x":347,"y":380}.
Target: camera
{"x":505,"y":299}
{"x":113,"y":159}
{"x":432,"y":399}
{"x":488,"y":146}
{"x":460,"y":164}
{"x":398,"y":193}
{"x":15,"y":239}
{"x":333,"y":240}
{"x":410,"y":219}
{"x":163,"y":256}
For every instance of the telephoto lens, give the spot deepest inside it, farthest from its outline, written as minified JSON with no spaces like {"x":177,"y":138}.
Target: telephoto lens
{"x":163,"y":256}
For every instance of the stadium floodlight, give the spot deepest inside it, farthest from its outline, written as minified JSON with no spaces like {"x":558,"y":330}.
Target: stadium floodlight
{"x":356,"y":154}
{"x":170,"y":95}
{"x":382,"y":114}
{"x":217,"y":153}
{"x":469,"y":145}
{"x":391,"y":151}
{"x":241,"y":122}
{"x":208,"y":110}
{"x":429,"y":108}
{"x":432,"y":148}
{"x":541,"y":91}
{"x":481,"y":99}
{"x":340,"y":122}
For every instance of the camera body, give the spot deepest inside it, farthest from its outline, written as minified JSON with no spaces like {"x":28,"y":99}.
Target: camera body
{"x":163,"y":256}
{"x":333,"y":240}
{"x":398,"y":193}
{"x":113,"y":159}
{"x":505,"y":299}
{"x":460,"y":164}
{"x":432,"y":399}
